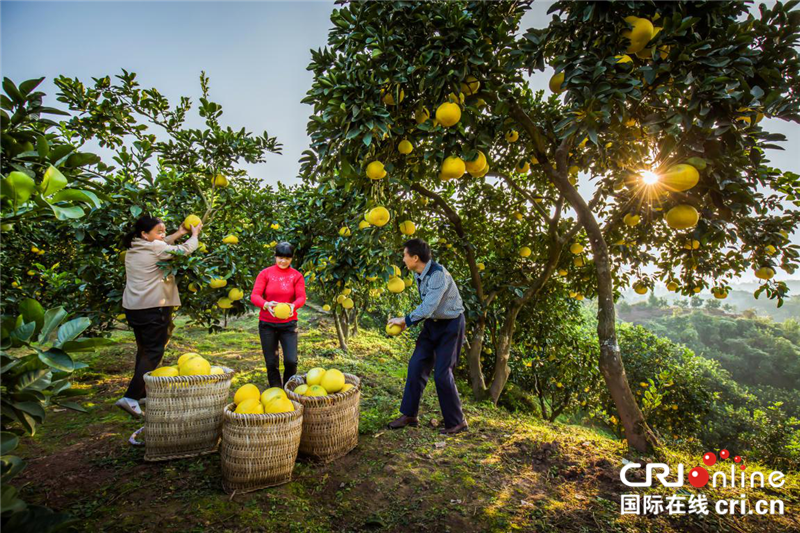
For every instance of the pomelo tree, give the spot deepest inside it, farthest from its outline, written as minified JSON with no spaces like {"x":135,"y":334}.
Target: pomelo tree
{"x":662,"y":126}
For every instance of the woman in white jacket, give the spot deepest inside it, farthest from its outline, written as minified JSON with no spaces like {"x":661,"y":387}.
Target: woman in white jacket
{"x":150,"y":296}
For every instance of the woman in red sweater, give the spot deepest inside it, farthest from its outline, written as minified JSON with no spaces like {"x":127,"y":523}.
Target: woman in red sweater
{"x":279,"y":283}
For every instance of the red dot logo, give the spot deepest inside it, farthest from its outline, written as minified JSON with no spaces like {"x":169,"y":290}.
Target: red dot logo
{"x":709,"y":459}
{"x":724,"y":454}
{"x":737,"y":459}
{"x":742,"y":467}
{"x":698,"y":476}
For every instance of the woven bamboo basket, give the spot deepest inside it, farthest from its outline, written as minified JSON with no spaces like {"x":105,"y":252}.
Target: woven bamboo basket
{"x":330,"y":423}
{"x":184,"y":415}
{"x":259,"y":451}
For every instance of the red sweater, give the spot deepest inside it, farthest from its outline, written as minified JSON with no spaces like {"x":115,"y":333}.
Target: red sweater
{"x":275,"y":284}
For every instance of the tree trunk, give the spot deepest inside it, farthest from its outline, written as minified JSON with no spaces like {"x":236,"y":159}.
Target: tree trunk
{"x":474,"y":359}
{"x":354,"y":324}
{"x":341,"y":331}
{"x":503,"y":351}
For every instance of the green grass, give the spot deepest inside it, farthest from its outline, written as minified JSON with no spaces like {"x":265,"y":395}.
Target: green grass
{"x":511,"y":472}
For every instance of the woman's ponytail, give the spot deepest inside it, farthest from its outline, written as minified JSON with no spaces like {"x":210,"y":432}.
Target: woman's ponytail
{"x":144,"y":224}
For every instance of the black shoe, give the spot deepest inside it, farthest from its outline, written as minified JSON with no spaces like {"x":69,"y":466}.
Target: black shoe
{"x":403,"y":421}
{"x":455,"y":429}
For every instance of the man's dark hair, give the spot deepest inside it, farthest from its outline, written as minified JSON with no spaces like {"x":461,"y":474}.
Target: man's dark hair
{"x":419,"y":248}
{"x":284,"y":249}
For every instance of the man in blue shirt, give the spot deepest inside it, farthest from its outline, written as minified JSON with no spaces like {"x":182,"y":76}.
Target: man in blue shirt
{"x":439,"y":343}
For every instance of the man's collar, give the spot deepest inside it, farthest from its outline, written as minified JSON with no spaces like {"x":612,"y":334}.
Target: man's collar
{"x":425,"y":270}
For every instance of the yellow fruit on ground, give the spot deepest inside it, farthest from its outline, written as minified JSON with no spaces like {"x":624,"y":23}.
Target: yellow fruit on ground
{"x":512,"y":136}
{"x":448,"y":114}
{"x":344,"y":231}
{"x":347,"y":387}
{"x":640,"y":288}
{"x":405,"y":147}
{"x":393,"y":330}
{"x":576,"y":248}
{"x":278,"y":405}
{"x":348,"y":303}
{"x":524,"y":252}
{"x":421,"y":115}
{"x":196,"y":366}
{"x":682,"y":216}
{"x":376,"y":171}
{"x":680,"y":178}
{"x":326,"y":308}
{"x":396,"y":285}
{"x":672,"y":286}
{"x":453,"y":167}
{"x":765,"y":273}
{"x":272,"y":393}
{"x":363,"y":224}
{"x":470,"y":86}
{"x":217,"y":370}
{"x":639,"y":35}
{"x":481,"y":267}
{"x":217,"y":283}
{"x":378,"y":216}
{"x":185,"y":357}
{"x":316,"y":390}
{"x":556,"y":83}
{"x":301,"y":389}
{"x":220,"y":181}
{"x":332,"y":381}
{"x":165,"y":372}
{"x":246,"y":392}
{"x":476,"y":166}
{"x":282,"y":311}
{"x":235,"y":294}
{"x":224,"y":303}
{"x":191,"y":221}
{"x":407,"y":228}
{"x":250,"y":407}
{"x":631,"y":219}
{"x":314,"y":376}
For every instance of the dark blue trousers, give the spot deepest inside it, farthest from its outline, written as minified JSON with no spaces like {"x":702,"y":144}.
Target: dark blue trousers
{"x":438,"y":347}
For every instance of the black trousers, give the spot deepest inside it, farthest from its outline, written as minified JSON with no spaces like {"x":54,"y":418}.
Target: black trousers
{"x":271,"y":335}
{"x":152,"y":329}
{"x":438,"y":349}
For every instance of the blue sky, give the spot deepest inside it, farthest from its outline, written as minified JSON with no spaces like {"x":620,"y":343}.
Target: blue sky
{"x":255,"y":54}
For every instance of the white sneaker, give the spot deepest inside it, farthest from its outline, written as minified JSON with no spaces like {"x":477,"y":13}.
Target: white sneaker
{"x":130,"y":406}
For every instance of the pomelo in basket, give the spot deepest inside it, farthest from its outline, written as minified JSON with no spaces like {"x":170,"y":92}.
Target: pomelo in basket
{"x":347,"y":387}
{"x":314,"y":376}
{"x":165,"y":372}
{"x":250,"y":407}
{"x":316,"y":390}
{"x":301,"y":389}
{"x":332,"y":381}
{"x":185,"y":357}
{"x":196,"y":366}
{"x":279,"y":405}
{"x":217,"y":370}
{"x":271,"y":394}
{"x":246,"y":392}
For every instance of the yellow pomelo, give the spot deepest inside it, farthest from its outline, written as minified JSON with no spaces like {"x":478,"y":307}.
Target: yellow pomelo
{"x":217,"y":283}
{"x":314,"y":376}
{"x":326,"y":307}
{"x":220,"y":181}
{"x":332,"y":381}
{"x":765,"y":273}
{"x":697,"y":289}
{"x":217,"y":370}
{"x":250,"y":407}
{"x":453,"y":167}
{"x":375,"y":171}
{"x":631,"y":219}
{"x":481,"y":267}
{"x":235,"y":294}
{"x":578,"y":261}
{"x":719,"y":293}
{"x":448,"y":114}
{"x":524,"y":251}
{"x":405,"y":147}
{"x":165,"y":372}
{"x":682,"y":216}
{"x":771,"y":250}
{"x":348,"y":303}
{"x":190,"y":221}
{"x":347,"y":387}
{"x":185,"y":357}
{"x":197,"y":366}
{"x":231,"y":239}
{"x":279,"y":405}
{"x":246,"y":392}
{"x":672,"y":286}
{"x":523,"y":167}
{"x":408,"y":228}
{"x":301,"y":389}
{"x":512,"y":136}
{"x":639,"y":35}
{"x":363,"y":224}
{"x":192,"y":287}
{"x":421,"y":115}
{"x":396,"y":285}
{"x":388,"y":96}
{"x":282,"y":311}
{"x":470,"y":86}
{"x":378,"y":216}
{"x":408,"y":282}
{"x":224,"y":303}
{"x":271,"y":394}
{"x":347,"y":291}
{"x":556,"y":83}
{"x":393,"y":330}
{"x":680,"y":178}
{"x":316,"y":390}
{"x":623,"y":59}
{"x":396,"y":269}
{"x":344,"y":231}
{"x":640,"y":288}
{"x":576,"y":248}
{"x":476,"y":166}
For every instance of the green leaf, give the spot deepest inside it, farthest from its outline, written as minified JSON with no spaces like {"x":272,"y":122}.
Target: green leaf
{"x":8,"y":442}
{"x":66,"y":213}
{"x":76,"y":195}
{"x":86,"y":345}
{"x":57,"y":358}
{"x":11,"y":466}
{"x":72,"y":329}
{"x":38,"y":380}
{"x":53,"y":181}
{"x":72,"y":405}
{"x":52,"y":319}
{"x":32,"y":311}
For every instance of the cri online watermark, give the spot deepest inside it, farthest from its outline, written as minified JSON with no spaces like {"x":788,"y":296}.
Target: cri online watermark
{"x":699,"y":477}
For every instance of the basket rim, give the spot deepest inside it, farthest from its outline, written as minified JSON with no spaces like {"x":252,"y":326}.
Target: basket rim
{"x":229,"y":372}
{"x":316,"y":401}
{"x":263,"y":417}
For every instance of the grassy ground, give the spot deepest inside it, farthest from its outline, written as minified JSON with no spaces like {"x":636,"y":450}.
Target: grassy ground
{"x":510,"y":472}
